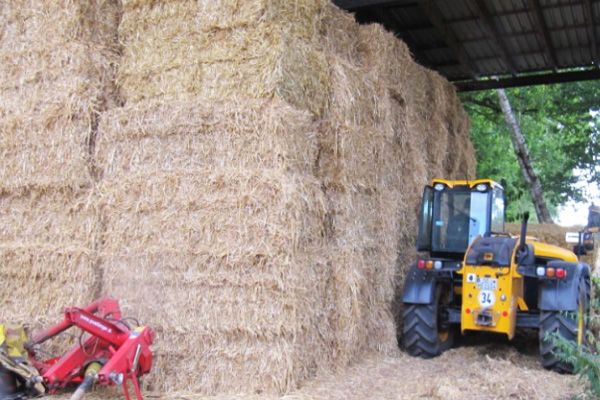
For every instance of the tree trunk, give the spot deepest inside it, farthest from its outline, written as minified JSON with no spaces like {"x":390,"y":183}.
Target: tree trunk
{"x":518,"y":141}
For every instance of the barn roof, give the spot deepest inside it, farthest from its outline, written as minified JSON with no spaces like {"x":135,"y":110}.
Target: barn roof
{"x":482,"y":44}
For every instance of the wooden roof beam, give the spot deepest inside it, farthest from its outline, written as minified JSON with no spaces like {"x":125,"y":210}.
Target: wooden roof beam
{"x":542,"y":31}
{"x":589,"y":18}
{"x":488,"y":22}
{"x":352,"y":4}
{"x":529,"y":80}
{"x":448,"y":36}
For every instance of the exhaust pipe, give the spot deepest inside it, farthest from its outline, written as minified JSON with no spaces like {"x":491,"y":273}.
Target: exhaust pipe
{"x":523,"y":250}
{"x":522,"y":245}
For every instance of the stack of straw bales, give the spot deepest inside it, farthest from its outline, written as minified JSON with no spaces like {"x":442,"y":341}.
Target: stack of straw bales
{"x":247,"y":184}
{"x":55,"y":78}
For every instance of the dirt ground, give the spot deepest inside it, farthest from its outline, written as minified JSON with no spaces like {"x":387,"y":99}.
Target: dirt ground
{"x":481,"y":367}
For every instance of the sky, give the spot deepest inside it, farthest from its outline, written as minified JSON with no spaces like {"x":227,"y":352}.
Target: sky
{"x":572,"y":213}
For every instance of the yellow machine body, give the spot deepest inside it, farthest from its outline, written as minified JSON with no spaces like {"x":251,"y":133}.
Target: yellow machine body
{"x":491,"y":298}
{"x":493,"y":295}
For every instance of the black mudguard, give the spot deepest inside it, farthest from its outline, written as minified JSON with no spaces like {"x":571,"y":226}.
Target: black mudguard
{"x":561,"y":294}
{"x":419,"y":285}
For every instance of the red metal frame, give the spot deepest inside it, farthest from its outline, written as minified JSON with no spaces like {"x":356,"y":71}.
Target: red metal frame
{"x":124,"y":354}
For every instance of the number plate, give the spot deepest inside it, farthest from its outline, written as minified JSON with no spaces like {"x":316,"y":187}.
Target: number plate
{"x":487,"y":283}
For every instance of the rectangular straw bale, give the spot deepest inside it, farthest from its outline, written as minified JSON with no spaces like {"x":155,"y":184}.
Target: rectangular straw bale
{"x":360,"y":317}
{"x":232,"y":364}
{"x":385,"y":57}
{"x":362,"y":253}
{"x":340,"y":34}
{"x":259,"y":207}
{"x":350,"y":155}
{"x":33,"y":20}
{"x":552,"y":234}
{"x":249,"y":295}
{"x":44,"y":158}
{"x":227,"y":252}
{"x":49,"y":217}
{"x":461,"y":162}
{"x":302,"y":17}
{"x":170,"y":53}
{"x":224,"y":308}
{"x":354,"y":96}
{"x":56,"y":56}
{"x":57,"y":67}
{"x":231,"y":133}
{"x":38,"y":281}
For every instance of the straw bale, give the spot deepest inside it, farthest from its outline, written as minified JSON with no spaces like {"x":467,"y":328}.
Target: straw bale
{"x":230,"y":133}
{"x":58,"y":217}
{"x":354,"y":95}
{"x":173,"y":52}
{"x":386,"y":57}
{"x":351,"y":156}
{"x":41,"y":158}
{"x":230,"y":252}
{"x":236,"y":204}
{"x":302,"y":17}
{"x":57,"y":74}
{"x":552,"y":234}
{"x":228,"y":363}
{"x":241,"y":322}
{"x":339,"y":34}
{"x":547,"y":233}
{"x":38,"y":281}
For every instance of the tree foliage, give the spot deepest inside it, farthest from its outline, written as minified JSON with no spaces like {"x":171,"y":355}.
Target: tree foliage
{"x":561,"y":124}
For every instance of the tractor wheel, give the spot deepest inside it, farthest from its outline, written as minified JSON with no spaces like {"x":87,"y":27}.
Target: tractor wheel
{"x":568,"y":325}
{"x":427,"y":332}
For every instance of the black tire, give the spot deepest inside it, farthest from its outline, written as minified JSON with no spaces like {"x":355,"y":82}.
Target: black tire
{"x":568,"y":326}
{"x":427,"y":333}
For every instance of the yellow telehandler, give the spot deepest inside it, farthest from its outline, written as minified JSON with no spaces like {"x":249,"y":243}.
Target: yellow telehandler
{"x":475,"y":277}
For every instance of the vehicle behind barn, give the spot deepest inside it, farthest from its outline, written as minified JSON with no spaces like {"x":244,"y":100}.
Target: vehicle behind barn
{"x":478,"y":278}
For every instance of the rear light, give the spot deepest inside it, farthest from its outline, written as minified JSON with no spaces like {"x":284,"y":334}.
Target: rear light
{"x":551,"y":272}
{"x":468,"y":311}
{"x":437,"y":264}
{"x":429,"y":264}
{"x":421,"y":264}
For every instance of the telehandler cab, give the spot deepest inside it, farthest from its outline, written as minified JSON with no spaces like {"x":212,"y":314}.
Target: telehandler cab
{"x":478,"y":278}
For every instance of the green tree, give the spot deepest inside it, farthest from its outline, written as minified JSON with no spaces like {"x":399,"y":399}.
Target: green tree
{"x":561,"y":127}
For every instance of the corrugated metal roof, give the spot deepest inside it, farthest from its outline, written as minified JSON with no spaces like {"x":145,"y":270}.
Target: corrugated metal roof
{"x":518,"y":42}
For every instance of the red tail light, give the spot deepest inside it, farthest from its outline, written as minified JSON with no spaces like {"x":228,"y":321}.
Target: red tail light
{"x":560,"y":273}
{"x":421,"y":264}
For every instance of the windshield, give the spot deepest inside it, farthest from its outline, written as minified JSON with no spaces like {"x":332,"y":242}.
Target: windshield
{"x":458,"y":218}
